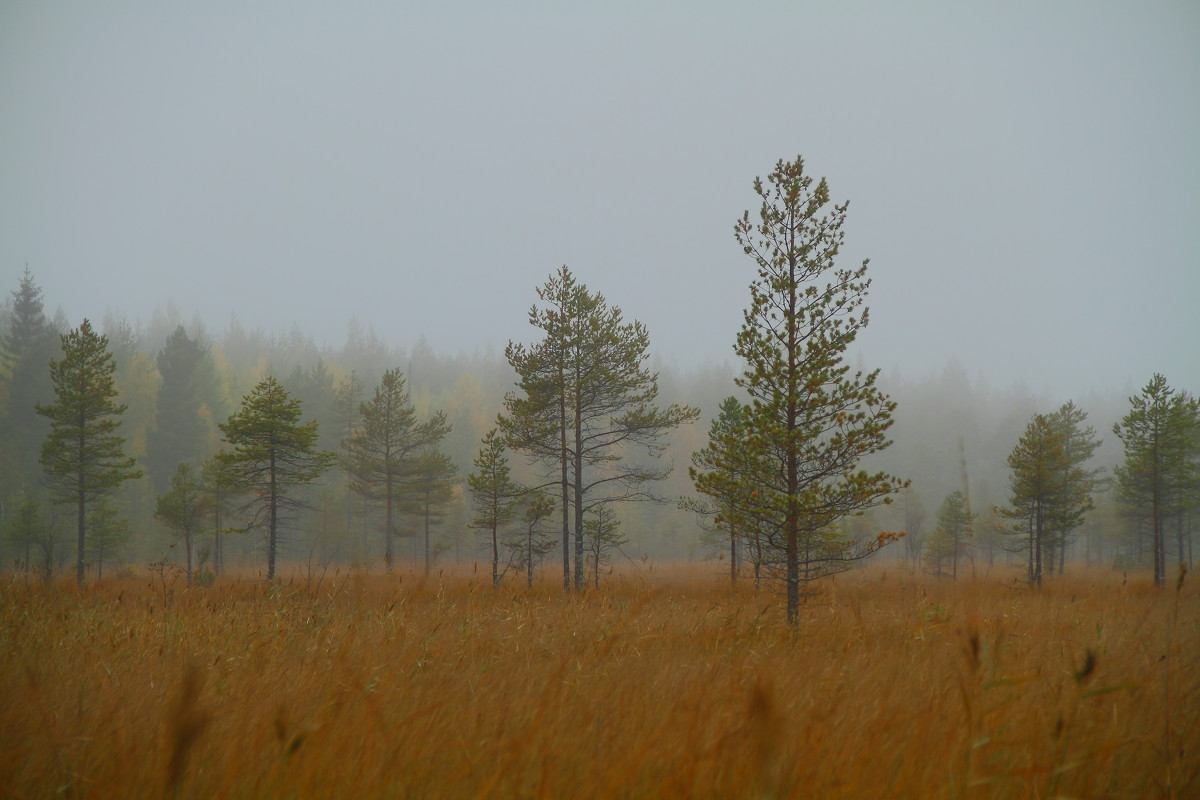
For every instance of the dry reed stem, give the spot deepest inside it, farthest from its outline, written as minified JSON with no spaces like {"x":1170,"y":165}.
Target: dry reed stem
{"x":893,"y":686}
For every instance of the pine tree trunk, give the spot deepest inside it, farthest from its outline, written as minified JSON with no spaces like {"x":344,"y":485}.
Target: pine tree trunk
{"x":1037,"y":548}
{"x":733,"y":563}
{"x":579,"y":579}
{"x":428,"y":560}
{"x":388,"y":553}
{"x":274,"y":521}
{"x":81,"y":509}
{"x":566,"y":526}
{"x":495,"y":560}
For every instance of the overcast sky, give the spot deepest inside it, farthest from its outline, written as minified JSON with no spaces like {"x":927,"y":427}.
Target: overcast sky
{"x":1025,"y":177}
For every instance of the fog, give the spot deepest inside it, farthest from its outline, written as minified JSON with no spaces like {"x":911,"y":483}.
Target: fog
{"x":1024,"y":177}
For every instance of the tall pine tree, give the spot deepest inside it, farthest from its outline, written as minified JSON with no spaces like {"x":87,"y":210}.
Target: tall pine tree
{"x":810,"y":417}
{"x":1160,"y":475}
{"x":83,"y":457}
{"x":586,"y":402}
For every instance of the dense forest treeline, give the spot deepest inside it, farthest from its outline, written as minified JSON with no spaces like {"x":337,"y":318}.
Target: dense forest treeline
{"x":951,"y":434}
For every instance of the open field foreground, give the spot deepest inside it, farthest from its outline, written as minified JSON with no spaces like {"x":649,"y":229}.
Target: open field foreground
{"x":661,"y":684}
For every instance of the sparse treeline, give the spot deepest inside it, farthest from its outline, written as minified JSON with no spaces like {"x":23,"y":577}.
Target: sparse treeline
{"x":167,"y":444}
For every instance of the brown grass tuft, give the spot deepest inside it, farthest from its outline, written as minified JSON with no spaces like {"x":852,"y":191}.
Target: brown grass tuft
{"x":668,"y":684}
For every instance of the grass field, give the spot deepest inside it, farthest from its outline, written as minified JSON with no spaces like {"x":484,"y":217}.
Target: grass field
{"x":664,"y":683}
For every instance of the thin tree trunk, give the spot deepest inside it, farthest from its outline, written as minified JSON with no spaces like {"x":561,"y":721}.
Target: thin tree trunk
{"x":80,"y":512}
{"x":579,"y":579}
{"x":733,"y":563}
{"x":566,"y":525}
{"x":495,"y":560}
{"x":81,"y":508}
{"x":1038,"y":547}
{"x":529,"y":562}
{"x":428,"y":559}
{"x":388,"y":523}
{"x":274,"y":520}
{"x":187,"y":543}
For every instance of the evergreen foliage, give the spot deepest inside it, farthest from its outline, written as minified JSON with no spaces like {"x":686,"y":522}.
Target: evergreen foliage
{"x":33,"y":537}
{"x":271,"y":453}
{"x":1051,"y":491}
{"x":529,"y":546}
{"x":728,"y":475}
{"x":1159,"y":479}
{"x":951,"y":539}
{"x":183,"y":424}
{"x":108,"y":533}
{"x":810,"y":420}
{"x":429,"y":488}
{"x":83,"y":457}
{"x":601,"y":536}
{"x":379,"y":453}
{"x":29,"y":344}
{"x":219,"y":487}
{"x":182,"y":508}
{"x":586,"y":404}
{"x":494,"y":495}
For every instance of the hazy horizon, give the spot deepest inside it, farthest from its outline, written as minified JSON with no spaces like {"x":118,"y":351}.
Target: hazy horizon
{"x":1025,"y":179}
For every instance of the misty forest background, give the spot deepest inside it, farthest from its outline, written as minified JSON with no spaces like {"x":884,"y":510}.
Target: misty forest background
{"x":952,"y":433}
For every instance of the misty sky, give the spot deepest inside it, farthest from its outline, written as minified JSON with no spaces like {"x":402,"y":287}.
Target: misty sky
{"x":1025,"y":177}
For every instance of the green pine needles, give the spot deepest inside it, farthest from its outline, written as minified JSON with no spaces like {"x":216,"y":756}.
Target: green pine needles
{"x":810,"y":420}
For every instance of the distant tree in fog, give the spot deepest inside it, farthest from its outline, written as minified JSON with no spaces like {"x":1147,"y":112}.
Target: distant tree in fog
{"x":183,"y":508}
{"x":181,"y":430}
{"x":494,"y":495}
{"x":1050,"y":491}
{"x":429,"y":489}
{"x":535,"y":539}
{"x":586,"y":406}
{"x":730,"y":477}
{"x":951,"y":539}
{"x":83,"y":457}
{"x":1159,"y":481}
{"x":601,"y":536}
{"x":271,"y":453}
{"x":380,"y":452}
{"x":25,"y":350}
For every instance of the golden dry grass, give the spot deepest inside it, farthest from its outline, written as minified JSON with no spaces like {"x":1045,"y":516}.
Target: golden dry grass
{"x":660,"y":685}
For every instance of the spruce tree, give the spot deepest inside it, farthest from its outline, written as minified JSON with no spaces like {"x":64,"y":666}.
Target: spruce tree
{"x":28,"y":346}
{"x":182,"y":430}
{"x":810,"y":418}
{"x":380,"y":452}
{"x":83,"y":457}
